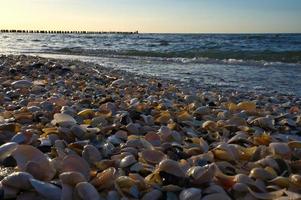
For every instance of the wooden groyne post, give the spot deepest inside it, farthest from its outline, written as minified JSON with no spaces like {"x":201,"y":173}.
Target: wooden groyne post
{"x":65,"y":32}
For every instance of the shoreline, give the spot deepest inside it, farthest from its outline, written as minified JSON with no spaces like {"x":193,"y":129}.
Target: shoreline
{"x":194,"y":87}
{"x":122,"y":135}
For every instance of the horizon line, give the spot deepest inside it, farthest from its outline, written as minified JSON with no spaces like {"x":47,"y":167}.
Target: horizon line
{"x":136,"y":31}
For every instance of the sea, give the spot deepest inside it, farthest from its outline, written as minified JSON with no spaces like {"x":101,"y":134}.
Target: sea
{"x":246,"y":62}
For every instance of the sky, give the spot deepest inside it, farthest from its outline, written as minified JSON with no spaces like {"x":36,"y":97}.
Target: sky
{"x":163,"y":16}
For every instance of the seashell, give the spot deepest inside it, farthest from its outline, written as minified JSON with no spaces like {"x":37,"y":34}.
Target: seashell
{"x":184,"y":116}
{"x":137,"y":167}
{"x":242,"y":178}
{"x":231,"y":106}
{"x":259,"y":173}
{"x":78,"y":131}
{"x":240,"y":187}
{"x":152,"y":195}
{"x":209,"y":125}
{"x":281,"y":149}
{"x":63,"y":120}
{"x":105,"y":164}
{"x":292,"y":195}
{"x":247,"y":106}
{"x":152,"y":156}
{"x":204,"y":145}
{"x":75,"y":163}
{"x":98,"y":121}
{"x":51,"y":130}
{"x":163,"y":118}
{"x":87,"y":191}
{"x":126,"y":186}
{"x":201,"y":111}
{"x":8,"y":192}
{"x":91,"y":154}
{"x":32,"y":160}
{"x":153,"y":138}
{"x":28,"y":195}
{"x":283,"y":182}
{"x":264,"y":122}
{"x":294,"y":144}
{"x":200,"y":175}
{"x":193,"y":151}
{"x":171,"y":188}
{"x":127,"y":161}
{"x":268,"y":195}
{"x":11,"y":127}
{"x":236,"y":121}
{"x":47,"y":190}
{"x":171,"y":167}
{"x":133,"y":128}
{"x":107,"y":149}
{"x":68,"y":192}
{"x":21,"y":84}
{"x":122,"y":135}
{"x":295,"y":179}
{"x":23,"y":138}
{"x":18,"y":180}
{"x":288,"y":122}
{"x":153,"y":179}
{"x":148,"y":119}
{"x":113,"y":195}
{"x":226,"y":152}
{"x":86,"y":113}
{"x":264,"y":139}
{"x":118,"y":83}
{"x":224,"y":115}
{"x":37,"y":170}
{"x":72,"y":178}
{"x":23,"y":117}
{"x":216,"y":196}
{"x":105,"y":179}
{"x":7,"y":149}
{"x":191,"y":194}
{"x":113,"y":139}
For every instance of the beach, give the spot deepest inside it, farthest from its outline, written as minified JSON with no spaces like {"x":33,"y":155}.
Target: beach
{"x":78,"y":130}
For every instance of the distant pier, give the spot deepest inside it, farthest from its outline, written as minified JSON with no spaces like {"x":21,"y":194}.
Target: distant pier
{"x":66,"y":32}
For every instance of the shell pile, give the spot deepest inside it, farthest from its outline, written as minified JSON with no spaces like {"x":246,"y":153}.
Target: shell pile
{"x":72,"y":130}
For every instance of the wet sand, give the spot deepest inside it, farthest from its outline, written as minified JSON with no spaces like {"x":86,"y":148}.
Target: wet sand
{"x":74,"y":130}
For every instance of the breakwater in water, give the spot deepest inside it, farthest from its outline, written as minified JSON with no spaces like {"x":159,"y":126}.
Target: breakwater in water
{"x":67,"y":32}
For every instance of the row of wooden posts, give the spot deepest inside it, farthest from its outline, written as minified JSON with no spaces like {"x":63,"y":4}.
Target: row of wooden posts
{"x":66,"y":32}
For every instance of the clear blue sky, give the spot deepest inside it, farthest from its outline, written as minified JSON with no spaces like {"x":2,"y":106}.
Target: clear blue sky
{"x":154,"y":15}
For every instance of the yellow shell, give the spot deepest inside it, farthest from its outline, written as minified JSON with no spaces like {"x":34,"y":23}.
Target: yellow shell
{"x":184,"y":116}
{"x":87,"y":121}
{"x":294,"y":144}
{"x":164,"y":117}
{"x":86,"y":113}
{"x":247,"y":106}
{"x":280,"y":181}
{"x":247,"y":153}
{"x":209,"y":125}
{"x":232,"y":106}
{"x":264,"y":139}
{"x":48,"y":131}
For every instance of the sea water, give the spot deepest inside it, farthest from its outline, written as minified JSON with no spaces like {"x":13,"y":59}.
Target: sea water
{"x":249,"y":62}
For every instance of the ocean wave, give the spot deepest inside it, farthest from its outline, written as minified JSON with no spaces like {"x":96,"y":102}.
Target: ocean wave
{"x":233,"y":57}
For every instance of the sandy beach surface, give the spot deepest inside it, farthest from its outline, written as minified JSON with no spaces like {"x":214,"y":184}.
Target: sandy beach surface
{"x":75,"y":130}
